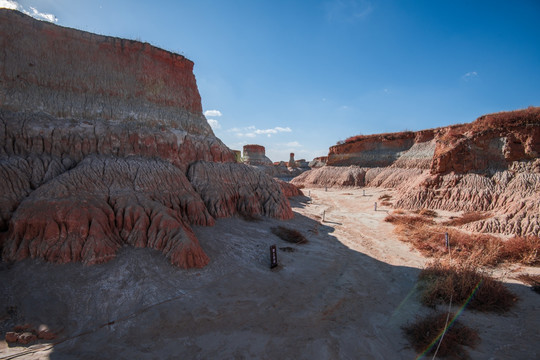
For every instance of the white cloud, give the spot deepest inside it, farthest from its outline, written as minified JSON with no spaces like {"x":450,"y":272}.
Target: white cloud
{"x":214,"y":124}
{"x":32,"y":11}
{"x":212,"y":113}
{"x":293,"y":144}
{"x":252,"y":131}
{"x":470,"y":75}
{"x":275,"y":130}
{"x":8,"y":4}
{"x":249,"y":135}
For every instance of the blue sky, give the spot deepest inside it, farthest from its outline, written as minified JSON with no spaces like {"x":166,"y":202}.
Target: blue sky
{"x":298,"y":76}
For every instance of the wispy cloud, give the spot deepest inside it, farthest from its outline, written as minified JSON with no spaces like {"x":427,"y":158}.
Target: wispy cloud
{"x":32,"y":11}
{"x":252,"y":131}
{"x":348,"y":10}
{"x":214,"y":124}
{"x":293,"y":144}
{"x":212,"y":113}
{"x":470,"y":75}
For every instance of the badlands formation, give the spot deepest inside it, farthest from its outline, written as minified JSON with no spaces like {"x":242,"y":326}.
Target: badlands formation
{"x":491,"y":165}
{"x":103,"y":143}
{"x":106,"y":160}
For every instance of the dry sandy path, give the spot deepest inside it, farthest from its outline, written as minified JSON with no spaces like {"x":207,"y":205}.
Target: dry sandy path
{"x":344,"y":295}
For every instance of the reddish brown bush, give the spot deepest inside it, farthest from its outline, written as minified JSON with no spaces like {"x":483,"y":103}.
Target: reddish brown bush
{"x":424,"y":336}
{"x":467,"y":218}
{"x":467,"y":248}
{"x":525,"y":250}
{"x":427,"y":212}
{"x":466,"y":286}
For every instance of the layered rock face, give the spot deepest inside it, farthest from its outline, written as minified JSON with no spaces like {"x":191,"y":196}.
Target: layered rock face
{"x":489,"y":165}
{"x":492,"y":142}
{"x":97,"y":135}
{"x":256,"y":155}
{"x":318,"y":162}
{"x":112,"y":79}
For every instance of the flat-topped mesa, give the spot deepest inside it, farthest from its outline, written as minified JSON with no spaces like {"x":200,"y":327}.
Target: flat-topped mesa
{"x":69,"y":73}
{"x":255,"y":155}
{"x":492,"y":142}
{"x":96,"y":138}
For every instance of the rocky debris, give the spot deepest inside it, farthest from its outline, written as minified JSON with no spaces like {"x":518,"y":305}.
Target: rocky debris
{"x":43,"y":332}
{"x":96,"y":137}
{"x":240,"y":190}
{"x":27,"y":334}
{"x":255,"y":155}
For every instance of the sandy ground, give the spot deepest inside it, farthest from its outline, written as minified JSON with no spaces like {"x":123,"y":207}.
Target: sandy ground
{"x":344,"y":295}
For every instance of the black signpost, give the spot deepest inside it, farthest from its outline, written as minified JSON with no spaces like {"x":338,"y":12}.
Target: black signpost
{"x":273,"y":256}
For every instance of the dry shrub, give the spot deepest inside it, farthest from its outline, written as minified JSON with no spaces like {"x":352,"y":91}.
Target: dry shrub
{"x":419,"y":231}
{"x":289,"y":235}
{"x":385,"y":197}
{"x":413,"y":220}
{"x":424,"y":336}
{"x":467,"y":218}
{"x":474,"y":249}
{"x":386,"y":203}
{"x":466,"y":248}
{"x":525,"y":250}
{"x":427,"y":212}
{"x":440,"y":282}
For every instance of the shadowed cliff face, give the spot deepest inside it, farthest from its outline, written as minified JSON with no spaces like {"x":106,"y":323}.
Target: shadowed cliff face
{"x":96,"y":137}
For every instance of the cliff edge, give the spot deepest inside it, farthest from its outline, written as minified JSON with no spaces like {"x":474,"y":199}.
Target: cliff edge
{"x":97,"y":135}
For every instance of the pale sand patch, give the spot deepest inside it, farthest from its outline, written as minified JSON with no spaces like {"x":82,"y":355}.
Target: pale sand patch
{"x":344,"y":295}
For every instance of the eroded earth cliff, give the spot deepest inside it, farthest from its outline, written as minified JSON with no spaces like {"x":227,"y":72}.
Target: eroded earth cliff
{"x":103,"y":144}
{"x":490,"y":165}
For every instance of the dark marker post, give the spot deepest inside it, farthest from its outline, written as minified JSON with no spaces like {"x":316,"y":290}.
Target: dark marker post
{"x":273,"y":256}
